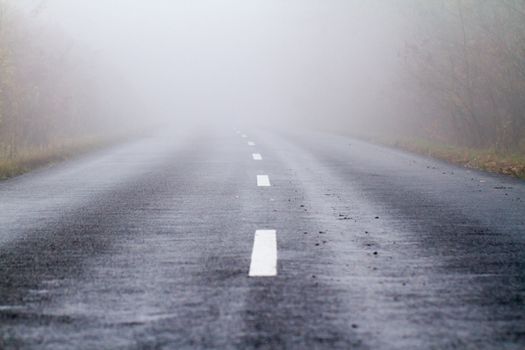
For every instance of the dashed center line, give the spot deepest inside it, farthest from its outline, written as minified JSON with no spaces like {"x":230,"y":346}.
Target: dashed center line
{"x":263,"y":181}
{"x":264,"y":254}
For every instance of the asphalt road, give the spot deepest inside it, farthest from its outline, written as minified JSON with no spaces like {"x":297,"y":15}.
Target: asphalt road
{"x":151,"y":245}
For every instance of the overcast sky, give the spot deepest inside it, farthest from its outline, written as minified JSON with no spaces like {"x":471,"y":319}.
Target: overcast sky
{"x":289,"y":59}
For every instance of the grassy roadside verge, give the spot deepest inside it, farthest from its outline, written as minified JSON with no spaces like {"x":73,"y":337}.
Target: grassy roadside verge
{"x":511,"y":164}
{"x":484,"y":159}
{"x":31,"y":159}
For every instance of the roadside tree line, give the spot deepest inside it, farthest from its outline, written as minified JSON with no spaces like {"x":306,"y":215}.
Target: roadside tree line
{"x":465,"y":60}
{"x":51,"y":91}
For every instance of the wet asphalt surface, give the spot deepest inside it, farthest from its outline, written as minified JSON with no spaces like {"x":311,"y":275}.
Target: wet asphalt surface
{"x":147,"y":245}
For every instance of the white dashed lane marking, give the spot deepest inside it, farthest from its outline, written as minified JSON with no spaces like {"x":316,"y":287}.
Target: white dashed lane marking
{"x":264,"y":254}
{"x":263,"y":181}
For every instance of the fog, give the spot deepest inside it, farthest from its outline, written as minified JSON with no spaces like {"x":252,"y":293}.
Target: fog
{"x":298,"y":62}
{"x":449,"y":71}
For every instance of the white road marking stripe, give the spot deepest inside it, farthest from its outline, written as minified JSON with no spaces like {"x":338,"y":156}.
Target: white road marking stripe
{"x":263,"y":181}
{"x":256,"y":156}
{"x":251,"y":143}
{"x":264,"y":254}
{"x":244,"y":136}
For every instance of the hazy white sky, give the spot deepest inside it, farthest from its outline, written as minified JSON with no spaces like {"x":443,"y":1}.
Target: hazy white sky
{"x":291,"y":59}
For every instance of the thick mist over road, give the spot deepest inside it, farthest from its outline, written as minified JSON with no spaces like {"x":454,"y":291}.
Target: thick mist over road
{"x":293,"y":62}
{"x":445,"y":72}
